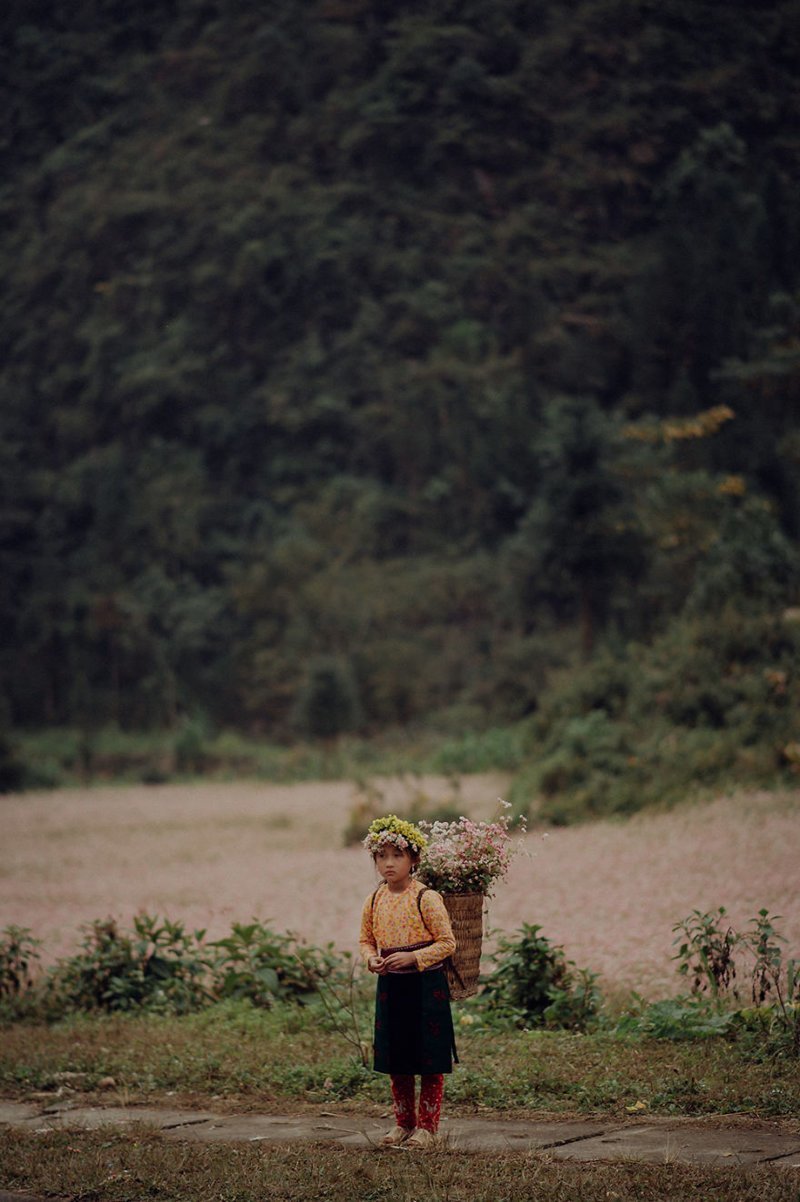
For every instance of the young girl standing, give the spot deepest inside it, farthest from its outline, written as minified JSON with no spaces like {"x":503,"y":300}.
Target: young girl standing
{"x":405,"y":937}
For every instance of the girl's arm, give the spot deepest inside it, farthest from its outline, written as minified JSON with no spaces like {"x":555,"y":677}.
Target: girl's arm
{"x":367,"y":947}
{"x":437,"y":920}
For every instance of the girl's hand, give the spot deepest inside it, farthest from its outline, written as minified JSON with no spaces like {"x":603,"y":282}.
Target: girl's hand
{"x":399,"y":960}
{"x":376,"y":964}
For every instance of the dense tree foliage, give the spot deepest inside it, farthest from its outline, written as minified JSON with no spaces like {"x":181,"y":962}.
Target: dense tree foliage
{"x":396,"y":352}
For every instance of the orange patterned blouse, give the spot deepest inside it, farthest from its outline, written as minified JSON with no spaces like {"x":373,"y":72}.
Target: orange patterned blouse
{"x":393,"y":920}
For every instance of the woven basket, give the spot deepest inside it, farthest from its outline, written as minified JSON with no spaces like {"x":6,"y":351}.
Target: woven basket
{"x":463,"y":967}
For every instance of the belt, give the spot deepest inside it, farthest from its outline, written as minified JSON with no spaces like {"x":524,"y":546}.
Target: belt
{"x":409,"y":947}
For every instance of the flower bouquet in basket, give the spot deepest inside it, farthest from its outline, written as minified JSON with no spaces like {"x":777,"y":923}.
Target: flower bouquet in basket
{"x":463,"y":860}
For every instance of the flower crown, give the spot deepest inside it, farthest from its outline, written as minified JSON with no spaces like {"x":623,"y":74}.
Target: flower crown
{"x":392,"y":829}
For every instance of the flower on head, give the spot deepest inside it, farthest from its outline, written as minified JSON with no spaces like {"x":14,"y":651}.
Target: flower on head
{"x":391,"y":829}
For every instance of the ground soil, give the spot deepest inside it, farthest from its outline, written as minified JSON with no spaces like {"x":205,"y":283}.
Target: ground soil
{"x":211,"y":854}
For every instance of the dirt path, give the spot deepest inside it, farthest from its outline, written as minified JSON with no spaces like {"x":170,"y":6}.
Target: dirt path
{"x":212,"y":854}
{"x":657,"y":1141}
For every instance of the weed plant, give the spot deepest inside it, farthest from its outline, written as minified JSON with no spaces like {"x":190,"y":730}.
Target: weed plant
{"x":684,"y":1017}
{"x":19,"y":959}
{"x":707,"y":950}
{"x":706,"y":944}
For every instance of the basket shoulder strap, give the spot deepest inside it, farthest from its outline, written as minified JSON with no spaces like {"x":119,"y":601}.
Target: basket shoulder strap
{"x":447,"y":963}
{"x":372,"y":900}
{"x":425,"y":889}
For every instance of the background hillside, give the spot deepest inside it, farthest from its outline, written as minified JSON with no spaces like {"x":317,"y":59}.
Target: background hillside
{"x":367,"y":366}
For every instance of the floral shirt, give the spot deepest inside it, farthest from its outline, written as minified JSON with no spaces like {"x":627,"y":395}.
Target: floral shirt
{"x":393,"y":920}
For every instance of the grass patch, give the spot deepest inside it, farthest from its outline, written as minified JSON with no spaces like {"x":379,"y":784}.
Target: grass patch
{"x":126,"y":1168}
{"x":64,"y":757}
{"x":288,"y":1057}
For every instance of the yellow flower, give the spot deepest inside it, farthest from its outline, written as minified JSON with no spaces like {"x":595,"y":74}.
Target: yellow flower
{"x":391,"y":829}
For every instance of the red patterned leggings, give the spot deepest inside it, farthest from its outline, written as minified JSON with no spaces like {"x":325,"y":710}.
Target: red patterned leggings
{"x":430,"y":1101}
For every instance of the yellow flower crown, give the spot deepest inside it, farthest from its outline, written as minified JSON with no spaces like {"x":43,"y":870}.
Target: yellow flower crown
{"x":392,"y":829}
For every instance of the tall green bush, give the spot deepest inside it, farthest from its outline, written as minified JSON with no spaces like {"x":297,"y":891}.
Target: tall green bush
{"x":713,"y":701}
{"x":533,"y":983}
{"x":158,"y":965}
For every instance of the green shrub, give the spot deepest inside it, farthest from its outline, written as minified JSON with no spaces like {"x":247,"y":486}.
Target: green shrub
{"x":254,"y":962}
{"x":158,"y":966}
{"x":534,"y":984}
{"x":713,"y":700}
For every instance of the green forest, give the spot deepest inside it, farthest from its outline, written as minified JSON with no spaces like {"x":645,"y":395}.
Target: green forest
{"x":372,"y":367}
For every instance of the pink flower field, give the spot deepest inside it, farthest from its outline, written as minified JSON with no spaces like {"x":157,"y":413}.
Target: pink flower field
{"x":212,"y":854}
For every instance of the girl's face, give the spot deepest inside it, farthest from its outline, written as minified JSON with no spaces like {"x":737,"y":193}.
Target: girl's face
{"x":394,"y":864}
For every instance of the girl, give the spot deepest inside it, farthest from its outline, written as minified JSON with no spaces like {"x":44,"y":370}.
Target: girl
{"x":405,"y":936}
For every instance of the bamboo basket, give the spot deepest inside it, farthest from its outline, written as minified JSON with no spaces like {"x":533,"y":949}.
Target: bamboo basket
{"x":463,"y":967}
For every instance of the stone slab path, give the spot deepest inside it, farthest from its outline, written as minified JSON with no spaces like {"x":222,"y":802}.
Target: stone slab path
{"x":657,"y":1140}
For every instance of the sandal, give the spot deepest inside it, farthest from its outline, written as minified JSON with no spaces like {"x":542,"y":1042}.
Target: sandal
{"x":397,"y":1136}
{"x":422,"y":1138}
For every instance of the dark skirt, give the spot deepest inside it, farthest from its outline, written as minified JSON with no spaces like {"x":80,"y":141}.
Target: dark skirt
{"x":413,"y":1024}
